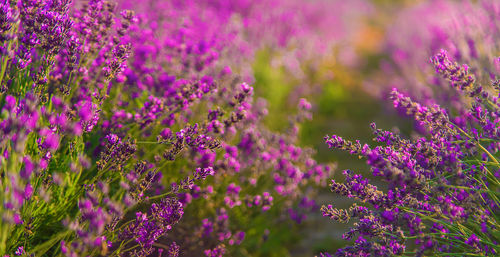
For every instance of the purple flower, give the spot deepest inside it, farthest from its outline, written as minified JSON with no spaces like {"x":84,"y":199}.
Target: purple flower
{"x":51,"y":141}
{"x":457,"y":75}
{"x":28,"y":191}
{"x":10,"y":103}
{"x":28,"y":168}
{"x":473,"y":240}
{"x":20,"y":251}
{"x":168,"y":212}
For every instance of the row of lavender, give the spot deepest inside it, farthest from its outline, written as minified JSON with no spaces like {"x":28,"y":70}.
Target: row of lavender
{"x":113,"y":120}
{"x":134,"y":134}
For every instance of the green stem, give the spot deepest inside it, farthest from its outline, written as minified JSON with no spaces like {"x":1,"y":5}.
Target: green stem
{"x":159,"y":196}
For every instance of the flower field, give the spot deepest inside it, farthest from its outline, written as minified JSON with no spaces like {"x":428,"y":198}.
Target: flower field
{"x":249,"y":128}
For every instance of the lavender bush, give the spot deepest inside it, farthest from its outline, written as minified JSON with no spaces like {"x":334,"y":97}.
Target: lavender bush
{"x":442,"y":191}
{"x":117,"y":125}
{"x":437,"y":191}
